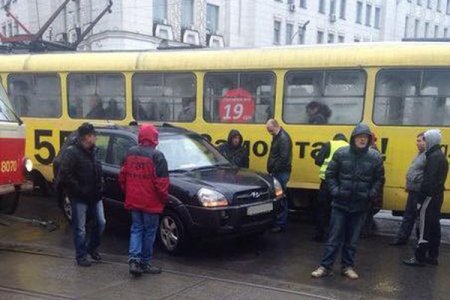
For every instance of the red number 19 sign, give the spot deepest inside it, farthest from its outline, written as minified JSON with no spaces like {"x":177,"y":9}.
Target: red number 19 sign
{"x":236,"y":106}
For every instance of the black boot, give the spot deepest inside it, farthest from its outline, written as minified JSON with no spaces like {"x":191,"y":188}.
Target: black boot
{"x":398,"y":242}
{"x":151,"y":269}
{"x":135,"y":268}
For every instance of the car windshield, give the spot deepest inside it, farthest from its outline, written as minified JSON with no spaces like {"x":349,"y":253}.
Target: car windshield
{"x":187,"y":153}
{"x":6,"y":113}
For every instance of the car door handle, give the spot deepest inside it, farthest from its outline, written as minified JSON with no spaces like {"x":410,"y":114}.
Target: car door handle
{"x":110,"y":179}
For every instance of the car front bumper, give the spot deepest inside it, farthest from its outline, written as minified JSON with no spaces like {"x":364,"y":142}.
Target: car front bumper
{"x":234,"y":220}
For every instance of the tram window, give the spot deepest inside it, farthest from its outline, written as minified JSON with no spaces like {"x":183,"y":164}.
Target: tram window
{"x":35,"y":95}
{"x":97,"y":96}
{"x":324,"y":97}
{"x":412,"y":97}
{"x":164,"y":97}
{"x":243,"y":97}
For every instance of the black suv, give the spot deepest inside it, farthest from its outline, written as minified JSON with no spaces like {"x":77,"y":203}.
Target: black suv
{"x":208,"y":195}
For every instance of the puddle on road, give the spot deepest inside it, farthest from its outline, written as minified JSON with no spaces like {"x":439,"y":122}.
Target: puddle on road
{"x":386,"y":287}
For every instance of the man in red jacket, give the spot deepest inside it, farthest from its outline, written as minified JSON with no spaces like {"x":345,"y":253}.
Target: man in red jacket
{"x":144,"y":178}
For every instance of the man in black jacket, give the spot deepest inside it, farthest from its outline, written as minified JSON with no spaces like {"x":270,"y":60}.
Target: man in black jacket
{"x":430,"y":202}
{"x":81,"y":178}
{"x":234,"y":150}
{"x":279,"y":164}
{"x":355,"y":177}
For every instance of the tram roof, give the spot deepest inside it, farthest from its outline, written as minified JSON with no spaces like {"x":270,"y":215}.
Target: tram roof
{"x":267,"y":58}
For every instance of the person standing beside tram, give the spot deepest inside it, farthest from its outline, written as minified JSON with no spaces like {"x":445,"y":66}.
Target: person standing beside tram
{"x":81,"y":178}
{"x":414,"y":179}
{"x":279,"y":164}
{"x":324,"y":199}
{"x":234,"y":150}
{"x":430,"y":202}
{"x":355,"y":177}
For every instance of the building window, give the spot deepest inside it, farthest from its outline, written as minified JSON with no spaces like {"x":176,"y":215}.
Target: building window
{"x":368,"y":14}
{"x":436,"y":31}
{"x":187,"y":12}
{"x":301,"y":34}
{"x":419,"y":2}
{"x":343,"y":9}
{"x":359,"y":9}
{"x":416,"y":28}
{"x":445,"y":32}
{"x":276,"y":32}
{"x":438,"y":5}
{"x":426,"y":29}
{"x":406,"y":26}
{"x":10,"y":29}
{"x":303,"y":3}
{"x":4,"y":29}
{"x":16,"y":28}
{"x":212,"y":18}
{"x":341,"y":39}
{"x":159,"y":10}
{"x":330,"y":39}
{"x":289,"y":32}
{"x":447,"y":10}
{"x":319,"y":37}
{"x":322,"y":6}
{"x":377,"y":17}
{"x":332,"y":7}
{"x":357,"y":40}
{"x":429,"y":4}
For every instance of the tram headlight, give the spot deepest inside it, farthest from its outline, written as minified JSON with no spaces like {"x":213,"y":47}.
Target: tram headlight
{"x":28,"y":164}
{"x":211,"y":198}
{"x":278,"y":189}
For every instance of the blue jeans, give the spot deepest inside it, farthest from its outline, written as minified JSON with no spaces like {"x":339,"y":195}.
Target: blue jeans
{"x":142,"y":236}
{"x":282,"y":220}
{"x":80,"y":212}
{"x":344,"y":231}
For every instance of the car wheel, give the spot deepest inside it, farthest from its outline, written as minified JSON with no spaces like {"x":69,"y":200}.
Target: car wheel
{"x":9,"y":203}
{"x":171,"y":233}
{"x":64,"y":203}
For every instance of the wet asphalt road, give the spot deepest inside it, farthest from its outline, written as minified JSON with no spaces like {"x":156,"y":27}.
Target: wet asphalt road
{"x":285,"y":259}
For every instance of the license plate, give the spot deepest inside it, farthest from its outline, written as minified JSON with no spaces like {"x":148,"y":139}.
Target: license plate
{"x":259,"y":209}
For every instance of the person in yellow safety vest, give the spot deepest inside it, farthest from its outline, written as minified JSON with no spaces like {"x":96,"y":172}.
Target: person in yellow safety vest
{"x":323,"y":206}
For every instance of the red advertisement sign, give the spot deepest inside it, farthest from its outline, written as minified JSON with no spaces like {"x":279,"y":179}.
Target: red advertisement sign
{"x":237,"y":106}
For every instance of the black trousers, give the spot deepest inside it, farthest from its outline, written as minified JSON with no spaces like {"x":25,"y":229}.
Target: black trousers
{"x":323,"y":210}
{"x":409,"y":216}
{"x":429,"y":227}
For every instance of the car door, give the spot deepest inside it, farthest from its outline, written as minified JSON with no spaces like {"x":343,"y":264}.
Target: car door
{"x":119,"y":146}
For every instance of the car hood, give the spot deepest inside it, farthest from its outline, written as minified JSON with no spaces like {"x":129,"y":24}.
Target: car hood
{"x":229,"y":181}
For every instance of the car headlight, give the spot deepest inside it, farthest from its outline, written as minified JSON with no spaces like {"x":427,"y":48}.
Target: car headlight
{"x":278,"y":189}
{"x":28,"y":164}
{"x":210,"y":198}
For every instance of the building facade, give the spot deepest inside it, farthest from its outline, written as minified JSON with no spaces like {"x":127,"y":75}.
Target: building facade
{"x":148,"y":24}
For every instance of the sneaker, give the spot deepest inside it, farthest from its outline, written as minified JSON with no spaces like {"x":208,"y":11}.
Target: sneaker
{"x":398,"y":242}
{"x":413,"y":262}
{"x":83,"y":262}
{"x":321,"y":272}
{"x":95,"y":255}
{"x":277,"y":229}
{"x":350,"y":273}
{"x":135,"y":268}
{"x":151,"y":269}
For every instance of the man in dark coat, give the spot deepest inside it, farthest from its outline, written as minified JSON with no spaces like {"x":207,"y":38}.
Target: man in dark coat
{"x":81,"y":177}
{"x":355,"y":177}
{"x":279,"y":164}
{"x":430,"y":202}
{"x":234,"y":150}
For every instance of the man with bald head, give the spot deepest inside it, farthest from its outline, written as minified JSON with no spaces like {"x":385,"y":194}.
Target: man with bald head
{"x":279,"y":165}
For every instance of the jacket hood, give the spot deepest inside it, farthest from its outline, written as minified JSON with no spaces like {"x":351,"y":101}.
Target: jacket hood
{"x":148,"y":135}
{"x":359,"y":129}
{"x":432,"y":138}
{"x":232,"y":134}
